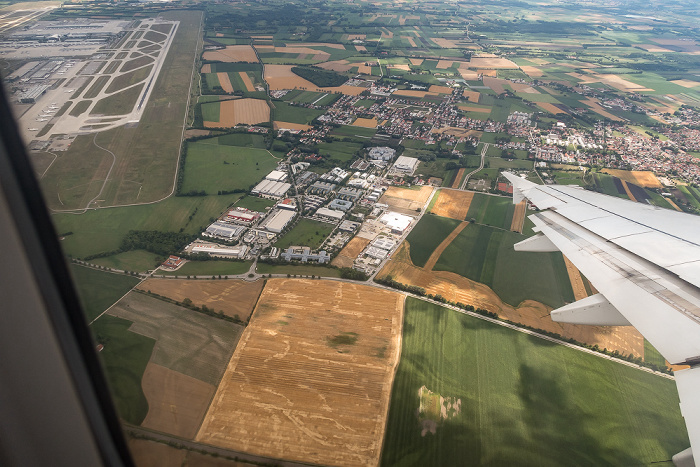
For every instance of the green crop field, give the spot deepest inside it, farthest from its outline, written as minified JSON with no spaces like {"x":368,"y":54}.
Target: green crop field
{"x":485,"y":254}
{"x":491,"y":210}
{"x":430,"y":231}
{"x":124,"y":359}
{"x":136,"y":260}
{"x":240,"y":139}
{"x":98,"y":290}
{"x":213,"y":167}
{"x":284,"y":112}
{"x":340,"y":150}
{"x":605,"y":184}
{"x":522,"y":400}
{"x":210,"y":268}
{"x":306,"y":233}
{"x":102,"y":230}
{"x":193,"y":343}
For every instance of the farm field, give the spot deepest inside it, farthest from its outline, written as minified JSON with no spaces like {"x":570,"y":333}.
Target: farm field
{"x":235,"y":111}
{"x":233,"y":297}
{"x":306,"y":232}
{"x":232,"y":53}
{"x":294,"y":385}
{"x":430,"y":231}
{"x":150,"y":344}
{"x":284,"y":112}
{"x":452,"y":203}
{"x":406,"y":200}
{"x":211,"y":167}
{"x":102,"y":230}
{"x":521,"y":411}
{"x":492,"y":210}
{"x":136,"y":260}
{"x":347,"y":255}
{"x":98,"y":290}
{"x":282,"y":77}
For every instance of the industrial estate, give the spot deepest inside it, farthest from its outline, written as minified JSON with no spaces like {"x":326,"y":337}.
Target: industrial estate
{"x":293,"y":239}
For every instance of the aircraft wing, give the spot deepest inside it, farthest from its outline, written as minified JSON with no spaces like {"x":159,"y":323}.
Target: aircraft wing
{"x":643,"y":260}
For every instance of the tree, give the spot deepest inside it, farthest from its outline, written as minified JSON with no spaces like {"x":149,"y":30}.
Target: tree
{"x":187,"y":302}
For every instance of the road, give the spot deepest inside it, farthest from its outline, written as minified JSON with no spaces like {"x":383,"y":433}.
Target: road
{"x":481,"y":166}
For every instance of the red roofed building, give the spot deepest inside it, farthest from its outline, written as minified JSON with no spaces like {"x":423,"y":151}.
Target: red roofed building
{"x":173,"y":262}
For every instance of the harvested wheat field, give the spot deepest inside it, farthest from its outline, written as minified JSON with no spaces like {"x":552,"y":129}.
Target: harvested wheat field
{"x":311,"y":377}
{"x":458,"y":178}
{"x":365,"y":122}
{"x":460,"y":289}
{"x":336,"y":65}
{"x":628,"y":191}
{"x":154,"y":454}
{"x":576,"y":280}
{"x":531,"y":71}
{"x":440,"y":89}
{"x":235,"y":111}
{"x":282,"y":77}
{"x":686,"y":83}
{"x":642,"y":178}
{"x":621,"y":83}
{"x":361,"y":48}
{"x":444,"y":64}
{"x":472,"y":96}
{"x":453,"y":204}
{"x":290,"y":126}
{"x":551,"y":108}
{"x":225,"y":82}
{"x":206,"y":68}
{"x":233,"y":297}
{"x":516,"y":225}
{"x":491,"y":62}
{"x":232,"y":53}
{"x":406,"y":200}
{"x":176,"y":402}
{"x":246,"y":80}
{"x":471,"y":108}
{"x":416,"y":61}
{"x":347,"y":255}
{"x":410,"y":40}
{"x":444,"y":43}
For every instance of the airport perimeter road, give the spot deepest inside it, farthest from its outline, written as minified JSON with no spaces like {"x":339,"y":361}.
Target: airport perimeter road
{"x":483,"y":155}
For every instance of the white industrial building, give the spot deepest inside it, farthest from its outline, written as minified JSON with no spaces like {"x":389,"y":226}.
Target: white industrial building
{"x":277,"y":221}
{"x":406,"y":165}
{"x":277,"y":176}
{"x":222,"y":230}
{"x":330,"y":214}
{"x":398,"y":223}
{"x":238,"y":251}
{"x":271,"y":189}
{"x":377,"y":253}
{"x":384,"y":243}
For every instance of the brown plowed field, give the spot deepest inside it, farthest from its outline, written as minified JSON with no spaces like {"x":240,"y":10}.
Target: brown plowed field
{"x":311,"y":377}
{"x":225,"y":82}
{"x":405,"y":200}
{"x":453,"y":204}
{"x":347,"y":255}
{"x":246,"y":80}
{"x":551,"y":108}
{"x":576,"y":280}
{"x":516,"y":225}
{"x":282,"y":77}
{"x":460,"y":289}
{"x":638,"y":177}
{"x":458,"y":177}
{"x":232,"y":53}
{"x":235,"y":111}
{"x":233,"y":297}
{"x":176,"y":402}
{"x":435,"y":256}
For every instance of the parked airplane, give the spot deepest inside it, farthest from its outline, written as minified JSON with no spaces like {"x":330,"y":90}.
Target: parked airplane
{"x":645,"y":263}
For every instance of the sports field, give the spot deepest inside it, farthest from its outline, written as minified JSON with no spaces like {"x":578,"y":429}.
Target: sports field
{"x":311,"y":377}
{"x":212,"y":167}
{"x":521,"y":400}
{"x":232,"y":297}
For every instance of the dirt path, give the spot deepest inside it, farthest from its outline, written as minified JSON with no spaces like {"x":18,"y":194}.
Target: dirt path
{"x":516,"y":225}
{"x":576,"y":280}
{"x":458,"y":178}
{"x":627,"y":190}
{"x":430,"y":264}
